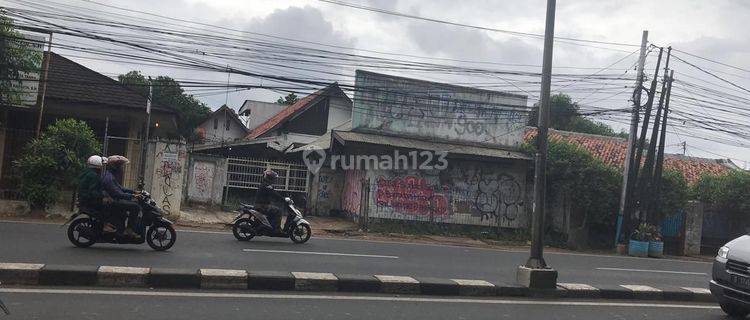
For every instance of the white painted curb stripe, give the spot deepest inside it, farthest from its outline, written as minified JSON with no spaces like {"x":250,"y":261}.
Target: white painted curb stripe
{"x":639,"y":288}
{"x":395,"y":279}
{"x":577,"y":287}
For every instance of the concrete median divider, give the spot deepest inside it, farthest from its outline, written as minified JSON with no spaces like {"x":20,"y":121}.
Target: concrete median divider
{"x":25,"y":274}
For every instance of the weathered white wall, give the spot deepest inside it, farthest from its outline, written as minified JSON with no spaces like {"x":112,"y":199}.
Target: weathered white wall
{"x":219,"y":132}
{"x":206,"y":179}
{"x":468,"y":192}
{"x":339,"y":111}
{"x":437,"y":111}
{"x":167,"y":172}
{"x":325,"y":192}
{"x":260,"y":112}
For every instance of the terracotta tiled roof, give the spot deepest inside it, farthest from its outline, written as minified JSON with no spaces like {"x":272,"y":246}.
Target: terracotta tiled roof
{"x":612,"y":151}
{"x":74,"y":82}
{"x":285,"y":114}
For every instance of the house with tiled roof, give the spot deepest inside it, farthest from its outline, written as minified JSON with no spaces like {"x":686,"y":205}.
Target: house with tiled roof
{"x":107,"y":106}
{"x":612,"y":151}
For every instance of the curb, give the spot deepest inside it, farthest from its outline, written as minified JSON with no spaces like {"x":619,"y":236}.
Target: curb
{"x":227,"y":279}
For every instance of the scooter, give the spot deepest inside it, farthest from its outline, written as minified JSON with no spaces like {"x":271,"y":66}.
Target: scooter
{"x":4,"y":308}
{"x":251,"y":222}
{"x":153,"y":228}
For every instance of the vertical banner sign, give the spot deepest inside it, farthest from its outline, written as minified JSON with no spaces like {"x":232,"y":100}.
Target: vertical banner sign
{"x":25,"y":89}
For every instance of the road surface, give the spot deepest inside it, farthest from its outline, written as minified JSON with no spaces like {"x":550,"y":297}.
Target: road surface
{"x":75,"y":304}
{"x":46,"y":243}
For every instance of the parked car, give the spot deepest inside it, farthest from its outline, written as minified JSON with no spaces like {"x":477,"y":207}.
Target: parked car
{"x":730,"y":282}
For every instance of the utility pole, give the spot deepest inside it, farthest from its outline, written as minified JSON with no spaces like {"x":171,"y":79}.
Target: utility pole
{"x":44,"y":86}
{"x":684,"y":148}
{"x":144,"y":148}
{"x":646,"y":187}
{"x":627,"y":184}
{"x":536,"y":273}
{"x":662,"y":142}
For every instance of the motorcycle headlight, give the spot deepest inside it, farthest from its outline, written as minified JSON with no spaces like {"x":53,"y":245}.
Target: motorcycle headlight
{"x":723,"y":252}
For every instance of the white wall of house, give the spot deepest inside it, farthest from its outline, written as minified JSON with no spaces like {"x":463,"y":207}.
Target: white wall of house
{"x":339,"y":111}
{"x":221,"y":127}
{"x":259,"y":112}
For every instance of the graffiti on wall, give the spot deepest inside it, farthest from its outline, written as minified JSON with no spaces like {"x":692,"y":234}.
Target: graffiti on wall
{"x":324,"y":187}
{"x":203,"y":179}
{"x":411,"y":195}
{"x":169,"y":173}
{"x":352,"y":195}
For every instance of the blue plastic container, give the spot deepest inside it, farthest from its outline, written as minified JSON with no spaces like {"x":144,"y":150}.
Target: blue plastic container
{"x":638,"y":248}
{"x":656,"y":249}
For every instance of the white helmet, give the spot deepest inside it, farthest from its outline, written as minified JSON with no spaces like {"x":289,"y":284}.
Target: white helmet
{"x":96,"y":161}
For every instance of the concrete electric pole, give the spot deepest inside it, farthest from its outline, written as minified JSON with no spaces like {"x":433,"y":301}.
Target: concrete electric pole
{"x":536,"y":273}
{"x":626,"y":183}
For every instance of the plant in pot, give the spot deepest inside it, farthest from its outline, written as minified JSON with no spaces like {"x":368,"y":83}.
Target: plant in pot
{"x":639,"y":241}
{"x":655,"y":243}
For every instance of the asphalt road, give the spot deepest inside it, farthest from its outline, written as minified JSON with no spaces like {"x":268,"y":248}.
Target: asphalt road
{"x":45,"y":243}
{"x":77,"y":304}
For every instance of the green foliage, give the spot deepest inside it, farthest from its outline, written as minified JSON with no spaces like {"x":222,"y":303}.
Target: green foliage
{"x":290,"y":99}
{"x":565,"y":115}
{"x":168,"y":92}
{"x":728,"y":192}
{"x":592,"y":186}
{"x":674,"y":193}
{"x":15,"y":59}
{"x":646,"y":232}
{"x":54,"y":160}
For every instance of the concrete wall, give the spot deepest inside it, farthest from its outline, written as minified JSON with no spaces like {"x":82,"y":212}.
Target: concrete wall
{"x":219,"y":132}
{"x":693,"y":228}
{"x":326,"y":192}
{"x":339,"y":111}
{"x":431,"y":110}
{"x":166,"y":174}
{"x":206,"y":177}
{"x":468,"y":192}
{"x":260,"y":112}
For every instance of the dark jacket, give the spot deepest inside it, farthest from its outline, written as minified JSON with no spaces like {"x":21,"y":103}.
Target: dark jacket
{"x":90,"y":192}
{"x":114,"y":189}
{"x":266,"y":194}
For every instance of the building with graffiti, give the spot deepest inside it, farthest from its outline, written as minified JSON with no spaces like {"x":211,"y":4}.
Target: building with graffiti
{"x":476,"y":132}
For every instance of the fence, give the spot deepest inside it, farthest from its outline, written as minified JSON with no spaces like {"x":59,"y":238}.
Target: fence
{"x":248,"y":174}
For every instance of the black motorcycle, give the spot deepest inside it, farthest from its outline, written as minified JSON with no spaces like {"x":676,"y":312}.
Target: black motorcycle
{"x":153,"y":228}
{"x":251,"y":222}
{"x":4,"y":308}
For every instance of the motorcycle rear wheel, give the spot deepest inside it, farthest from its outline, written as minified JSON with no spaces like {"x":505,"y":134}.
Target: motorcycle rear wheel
{"x":161,"y":237}
{"x":76,"y":236}
{"x":239,"y":233}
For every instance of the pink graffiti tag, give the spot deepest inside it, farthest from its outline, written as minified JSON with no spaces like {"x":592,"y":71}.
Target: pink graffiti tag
{"x":411,"y":195}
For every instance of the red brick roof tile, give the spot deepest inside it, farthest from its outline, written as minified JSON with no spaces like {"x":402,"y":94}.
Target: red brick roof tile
{"x":285,"y":114}
{"x":612,"y":151}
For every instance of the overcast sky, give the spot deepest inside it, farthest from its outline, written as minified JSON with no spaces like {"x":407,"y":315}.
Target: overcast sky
{"x":714,"y":29}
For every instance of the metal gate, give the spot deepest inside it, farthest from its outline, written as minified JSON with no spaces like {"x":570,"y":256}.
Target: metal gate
{"x":247,"y":173}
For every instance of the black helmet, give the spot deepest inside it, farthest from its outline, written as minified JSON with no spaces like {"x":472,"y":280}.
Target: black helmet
{"x":269,"y":176}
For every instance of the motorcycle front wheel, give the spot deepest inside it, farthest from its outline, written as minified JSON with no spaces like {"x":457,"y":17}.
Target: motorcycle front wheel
{"x":243,"y":230}
{"x":301,"y":233}
{"x":80,"y":233}
{"x":161,"y":237}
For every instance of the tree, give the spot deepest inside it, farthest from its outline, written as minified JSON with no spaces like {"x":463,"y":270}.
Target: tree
{"x":15,"y":59}
{"x":565,"y":115}
{"x":168,"y":92}
{"x":54,"y":160}
{"x":728,"y":194}
{"x":290,"y":99}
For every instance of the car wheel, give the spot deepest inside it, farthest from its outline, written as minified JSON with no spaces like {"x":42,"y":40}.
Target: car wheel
{"x":734,"y":311}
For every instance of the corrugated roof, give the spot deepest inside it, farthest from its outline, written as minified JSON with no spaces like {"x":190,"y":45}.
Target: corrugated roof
{"x":410,"y":143}
{"x":71,"y":81}
{"x":612,"y":151}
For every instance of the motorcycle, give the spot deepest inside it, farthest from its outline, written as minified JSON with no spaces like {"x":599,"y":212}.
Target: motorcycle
{"x":250,"y":223}
{"x":86,"y":227}
{"x":4,"y":308}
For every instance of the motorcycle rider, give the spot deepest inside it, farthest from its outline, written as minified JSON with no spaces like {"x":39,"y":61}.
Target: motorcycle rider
{"x":124,"y":202}
{"x":90,"y":191}
{"x":266,"y":193}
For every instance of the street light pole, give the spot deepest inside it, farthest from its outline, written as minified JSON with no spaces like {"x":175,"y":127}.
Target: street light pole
{"x":536,"y":273}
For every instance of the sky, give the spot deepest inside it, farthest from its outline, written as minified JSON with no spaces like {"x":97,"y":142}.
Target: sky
{"x":711,"y":29}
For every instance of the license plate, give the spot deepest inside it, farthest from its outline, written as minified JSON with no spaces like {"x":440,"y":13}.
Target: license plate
{"x":741,"y":281}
